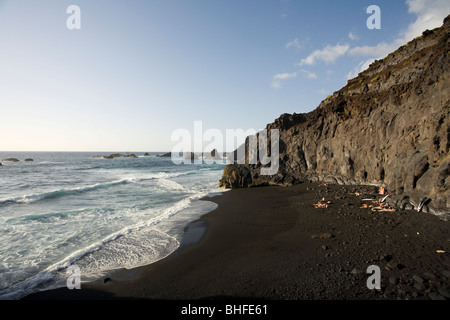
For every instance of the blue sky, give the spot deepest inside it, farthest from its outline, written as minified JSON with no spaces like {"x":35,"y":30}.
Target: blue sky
{"x":138,"y":70}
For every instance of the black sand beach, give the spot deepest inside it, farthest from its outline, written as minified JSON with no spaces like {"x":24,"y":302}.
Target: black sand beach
{"x":271,"y":243}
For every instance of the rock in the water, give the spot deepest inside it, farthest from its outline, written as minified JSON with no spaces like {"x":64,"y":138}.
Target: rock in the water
{"x":190,"y":156}
{"x":11,"y":160}
{"x":146,"y":154}
{"x":165,"y":155}
{"x":28,"y":160}
{"x":0,"y":164}
{"x":388,"y":126}
{"x":116,"y":155}
{"x":213,"y":155}
{"x":131,"y":156}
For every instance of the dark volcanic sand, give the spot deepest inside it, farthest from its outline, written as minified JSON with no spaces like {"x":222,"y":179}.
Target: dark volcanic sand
{"x":271,"y":243}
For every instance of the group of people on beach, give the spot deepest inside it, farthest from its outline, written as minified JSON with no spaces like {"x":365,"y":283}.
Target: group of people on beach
{"x":380,"y":205}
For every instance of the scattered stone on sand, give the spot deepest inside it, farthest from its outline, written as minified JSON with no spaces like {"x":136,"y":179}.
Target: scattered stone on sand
{"x":322,"y":236}
{"x":417,"y":278}
{"x":394,"y":266}
{"x":436,"y":296}
{"x":393,"y":280}
{"x":444,"y":292}
{"x":429,"y":275}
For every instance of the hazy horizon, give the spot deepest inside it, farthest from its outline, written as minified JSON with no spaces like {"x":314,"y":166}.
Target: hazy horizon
{"x":138,"y":70}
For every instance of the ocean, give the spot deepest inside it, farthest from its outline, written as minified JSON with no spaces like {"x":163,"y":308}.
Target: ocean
{"x":69,"y":209}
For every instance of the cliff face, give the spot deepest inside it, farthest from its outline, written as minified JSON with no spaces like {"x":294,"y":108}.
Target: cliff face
{"x":388,"y":126}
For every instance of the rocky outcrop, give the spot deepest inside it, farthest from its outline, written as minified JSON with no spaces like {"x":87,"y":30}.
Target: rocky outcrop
{"x":388,"y":126}
{"x":190,"y":156}
{"x":117,"y":155}
{"x":11,"y":160}
{"x":213,"y":155}
{"x":165,"y":155}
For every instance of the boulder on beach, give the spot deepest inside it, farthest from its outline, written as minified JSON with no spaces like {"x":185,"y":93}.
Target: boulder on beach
{"x":11,"y":160}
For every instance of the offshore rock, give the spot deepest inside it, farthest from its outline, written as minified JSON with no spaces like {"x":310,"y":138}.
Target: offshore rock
{"x":117,"y":155}
{"x":388,"y":126}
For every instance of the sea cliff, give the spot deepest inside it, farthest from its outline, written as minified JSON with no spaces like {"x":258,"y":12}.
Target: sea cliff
{"x":388,"y":126}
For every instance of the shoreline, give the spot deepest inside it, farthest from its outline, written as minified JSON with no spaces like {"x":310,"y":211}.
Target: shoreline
{"x":271,"y":243}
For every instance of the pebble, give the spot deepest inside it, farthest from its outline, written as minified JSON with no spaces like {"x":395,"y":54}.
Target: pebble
{"x":393,"y":280}
{"x":324,"y":247}
{"x":417,"y":278}
{"x":436,"y":296}
{"x":444,"y":292}
{"x":446,"y":273}
{"x":356,"y":271}
{"x":322,"y":236}
{"x":394,"y":266}
{"x":430,"y":276}
{"x":419,"y":286}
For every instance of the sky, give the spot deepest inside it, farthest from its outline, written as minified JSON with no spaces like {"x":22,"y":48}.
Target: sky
{"x":137,"y":71}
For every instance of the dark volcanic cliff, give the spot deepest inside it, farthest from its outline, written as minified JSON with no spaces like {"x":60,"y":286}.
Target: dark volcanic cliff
{"x":388,"y":126}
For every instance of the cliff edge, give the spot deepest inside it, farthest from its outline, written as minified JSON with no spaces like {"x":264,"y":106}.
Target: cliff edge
{"x":388,"y":126}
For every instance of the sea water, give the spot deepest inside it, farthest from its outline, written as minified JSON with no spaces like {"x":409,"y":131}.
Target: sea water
{"x":70,"y":209}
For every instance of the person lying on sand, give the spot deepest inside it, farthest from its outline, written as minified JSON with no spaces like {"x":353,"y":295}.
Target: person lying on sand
{"x":322,"y":203}
{"x":383,"y":208}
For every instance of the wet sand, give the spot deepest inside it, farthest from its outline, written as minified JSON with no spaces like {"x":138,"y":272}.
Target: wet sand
{"x":271,"y":243}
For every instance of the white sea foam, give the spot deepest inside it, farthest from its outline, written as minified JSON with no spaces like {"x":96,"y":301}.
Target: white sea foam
{"x":132,"y":246}
{"x":99,"y":216}
{"x":57,"y":193}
